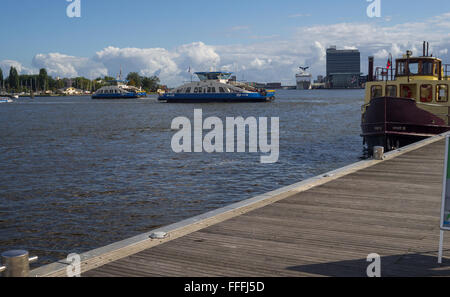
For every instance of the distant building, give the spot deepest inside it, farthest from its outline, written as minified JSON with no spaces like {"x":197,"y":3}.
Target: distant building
{"x":320,"y":79}
{"x":71,"y":91}
{"x":343,"y":68}
{"x":276,"y":85}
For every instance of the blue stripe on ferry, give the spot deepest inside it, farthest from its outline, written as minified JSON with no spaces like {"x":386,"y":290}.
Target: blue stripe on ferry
{"x":217,"y":95}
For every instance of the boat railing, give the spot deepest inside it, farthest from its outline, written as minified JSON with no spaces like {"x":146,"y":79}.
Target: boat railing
{"x":447,"y":71}
{"x":384,"y":74}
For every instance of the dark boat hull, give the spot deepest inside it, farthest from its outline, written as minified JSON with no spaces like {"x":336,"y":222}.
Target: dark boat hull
{"x":395,"y":122}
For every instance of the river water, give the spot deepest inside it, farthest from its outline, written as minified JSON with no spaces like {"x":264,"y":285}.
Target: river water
{"x":77,"y":174}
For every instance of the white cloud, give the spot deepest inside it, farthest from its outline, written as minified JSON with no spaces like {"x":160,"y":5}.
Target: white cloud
{"x":6,"y":65}
{"x":69,"y":66}
{"x":146,"y":62}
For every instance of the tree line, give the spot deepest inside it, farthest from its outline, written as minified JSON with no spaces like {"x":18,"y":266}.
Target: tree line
{"x":43,"y":82}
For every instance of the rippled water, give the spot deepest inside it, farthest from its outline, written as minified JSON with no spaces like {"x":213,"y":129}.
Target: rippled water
{"x":77,"y":174}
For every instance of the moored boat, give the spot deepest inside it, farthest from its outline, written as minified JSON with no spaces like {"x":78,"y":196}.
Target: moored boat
{"x":216,"y":87}
{"x":406,"y":107}
{"x":5,"y":100}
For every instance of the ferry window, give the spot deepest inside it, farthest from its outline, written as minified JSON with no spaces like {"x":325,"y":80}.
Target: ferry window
{"x":442,"y":93}
{"x":401,"y":68}
{"x":188,"y":90}
{"x":196,"y":90}
{"x":427,"y":68}
{"x":213,"y":89}
{"x":391,"y":91}
{"x":209,"y":89}
{"x":376,"y":91}
{"x":414,"y":68}
{"x":221,"y":90}
{"x":406,"y":92}
{"x":426,"y":93}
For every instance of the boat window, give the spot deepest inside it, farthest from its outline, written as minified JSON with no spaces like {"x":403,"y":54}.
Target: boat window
{"x":209,"y":89}
{"x":426,"y":93}
{"x":376,"y":92}
{"x":413,"y":68}
{"x":427,"y":68}
{"x":213,"y":89}
{"x":221,"y":90}
{"x":196,"y":90}
{"x":442,"y":93}
{"x":391,"y":91}
{"x":401,"y":69}
{"x":188,"y":90}
{"x":406,"y":91}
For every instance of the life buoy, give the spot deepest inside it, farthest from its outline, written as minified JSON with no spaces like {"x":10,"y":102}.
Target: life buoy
{"x":429,"y":90}
{"x":408,"y":91}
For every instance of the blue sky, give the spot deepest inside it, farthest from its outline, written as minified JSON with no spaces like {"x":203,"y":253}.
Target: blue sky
{"x":30,"y":27}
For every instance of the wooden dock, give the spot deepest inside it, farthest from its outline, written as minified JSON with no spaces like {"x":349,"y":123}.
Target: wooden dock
{"x":326,"y":226}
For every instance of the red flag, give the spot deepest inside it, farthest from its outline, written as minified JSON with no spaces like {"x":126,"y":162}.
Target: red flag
{"x":389,"y":64}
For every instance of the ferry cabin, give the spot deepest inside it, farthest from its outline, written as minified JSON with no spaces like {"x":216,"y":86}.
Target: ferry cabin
{"x":423,"y":79}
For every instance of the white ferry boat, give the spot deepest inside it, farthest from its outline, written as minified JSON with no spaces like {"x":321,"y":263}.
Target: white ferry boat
{"x":304,"y":79}
{"x":118,"y":90}
{"x":216,"y":87}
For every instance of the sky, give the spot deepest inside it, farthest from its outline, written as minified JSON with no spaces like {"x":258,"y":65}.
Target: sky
{"x":258,"y":40}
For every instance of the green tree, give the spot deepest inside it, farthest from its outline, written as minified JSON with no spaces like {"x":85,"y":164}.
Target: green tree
{"x":60,"y":84}
{"x":134,"y":79}
{"x":1,"y":79}
{"x":13,"y":79}
{"x":43,"y":79}
{"x":150,"y":84}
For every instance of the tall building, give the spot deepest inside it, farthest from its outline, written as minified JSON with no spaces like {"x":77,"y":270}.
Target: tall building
{"x":343,"y":68}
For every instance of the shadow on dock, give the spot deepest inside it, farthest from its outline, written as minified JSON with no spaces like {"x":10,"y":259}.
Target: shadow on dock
{"x":406,"y":265}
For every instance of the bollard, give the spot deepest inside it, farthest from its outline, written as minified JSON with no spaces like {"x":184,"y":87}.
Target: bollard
{"x":378,"y":152}
{"x":16,"y":263}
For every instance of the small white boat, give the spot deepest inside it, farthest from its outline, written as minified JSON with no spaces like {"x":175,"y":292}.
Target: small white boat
{"x":15,"y":96}
{"x":5,"y":100}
